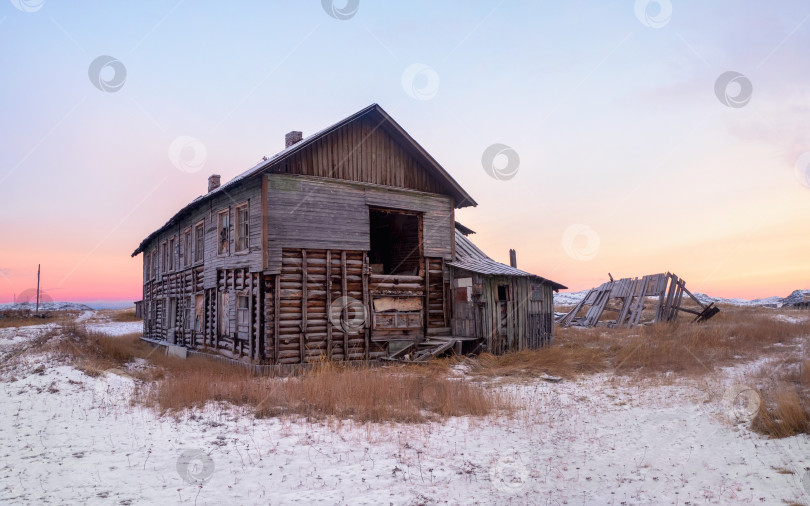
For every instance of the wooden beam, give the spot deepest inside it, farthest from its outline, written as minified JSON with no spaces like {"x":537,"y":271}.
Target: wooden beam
{"x":276,"y":313}
{"x":329,"y":304}
{"x":366,"y":305}
{"x":303,"y":336}
{"x":344,"y":311}
{"x":250,"y":318}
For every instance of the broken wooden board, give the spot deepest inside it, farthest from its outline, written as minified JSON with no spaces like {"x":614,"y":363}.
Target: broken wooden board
{"x":628,"y":297}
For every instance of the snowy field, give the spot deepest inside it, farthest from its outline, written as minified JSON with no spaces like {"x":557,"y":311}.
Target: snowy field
{"x":68,"y":438}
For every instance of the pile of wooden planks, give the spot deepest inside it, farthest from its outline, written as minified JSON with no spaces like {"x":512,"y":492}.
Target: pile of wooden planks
{"x":627,"y":298}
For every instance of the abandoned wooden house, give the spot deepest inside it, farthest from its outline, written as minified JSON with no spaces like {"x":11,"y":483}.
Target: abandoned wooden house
{"x":342,"y":246}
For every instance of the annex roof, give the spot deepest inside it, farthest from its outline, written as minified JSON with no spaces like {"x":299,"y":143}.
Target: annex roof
{"x":470,"y":258}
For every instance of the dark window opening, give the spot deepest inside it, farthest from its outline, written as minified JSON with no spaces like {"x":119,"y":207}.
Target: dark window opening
{"x":503,"y":292}
{"x":395,"y":242}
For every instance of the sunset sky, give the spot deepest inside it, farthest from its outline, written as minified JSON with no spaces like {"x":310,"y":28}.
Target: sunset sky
{"x":630,"y":162}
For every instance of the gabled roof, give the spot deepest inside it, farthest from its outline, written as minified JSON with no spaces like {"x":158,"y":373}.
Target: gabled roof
{"x":461,"y":197}
{"x":470,"y":258}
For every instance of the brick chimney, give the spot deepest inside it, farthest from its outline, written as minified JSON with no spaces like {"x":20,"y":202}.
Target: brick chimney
{"x":292,"y":137}
{"x":213,"y":182}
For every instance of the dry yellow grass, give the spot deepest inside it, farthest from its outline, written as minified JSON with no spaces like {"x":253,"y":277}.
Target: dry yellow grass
{"x":419,"y":393}
{"x":122,"y":315}
{"x":25,"y":318}
{"x":785,"y":401}
{"x":679,"y":347}
{"x":364,"y":394}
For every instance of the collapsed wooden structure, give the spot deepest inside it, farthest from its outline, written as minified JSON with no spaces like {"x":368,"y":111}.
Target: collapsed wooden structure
{"x":625,"y":301}
{"x":343,"y":246}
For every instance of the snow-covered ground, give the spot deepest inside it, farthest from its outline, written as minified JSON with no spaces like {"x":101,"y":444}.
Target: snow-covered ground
{"x":67,"y":437}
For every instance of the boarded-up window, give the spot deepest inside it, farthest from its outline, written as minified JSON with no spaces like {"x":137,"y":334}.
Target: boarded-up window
{"x":153,"y":264}
{"x":199,"y":309}
{"x":199,"y":242}
{"x":223,"y":230}
{"x":224,"y":314}
{"x":242,"y":228}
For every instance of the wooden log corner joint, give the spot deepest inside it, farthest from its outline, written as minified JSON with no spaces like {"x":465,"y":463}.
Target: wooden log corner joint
{"x":343,"y":246}
{"x":632,"y":301}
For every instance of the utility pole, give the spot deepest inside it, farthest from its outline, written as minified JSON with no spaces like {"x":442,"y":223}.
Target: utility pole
{"x":38,"y":288}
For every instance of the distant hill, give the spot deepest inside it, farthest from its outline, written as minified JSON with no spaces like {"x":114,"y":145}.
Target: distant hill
{"x":572,"y":298}
{"x":46,"y":306}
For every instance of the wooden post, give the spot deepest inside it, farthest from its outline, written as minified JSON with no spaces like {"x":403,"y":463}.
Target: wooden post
{"x":329,"y":304}
{"x":366,"y":304}
{"x":37,"y":288}
{"x":251,"y":340}
{"x":426,"y":311}
{"x":344,"y":310}
{"x":303,"y":335}
{"x":276,"y":314}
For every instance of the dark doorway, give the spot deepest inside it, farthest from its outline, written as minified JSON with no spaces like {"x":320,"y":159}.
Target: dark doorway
{"x":396,"y":247}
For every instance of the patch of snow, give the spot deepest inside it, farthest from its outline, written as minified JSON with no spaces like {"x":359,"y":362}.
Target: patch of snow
{"x":116,"y":328}
{"x":67,"y":437}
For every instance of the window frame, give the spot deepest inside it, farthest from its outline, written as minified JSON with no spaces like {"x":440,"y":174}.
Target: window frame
{"x":164,"y":257}
{"x":186,"y":256}
{"x":240,"y":310}
{"x":172,"y":246}
{"x":227,"y":228}
{"x":199,"y":249}
{"x":237,"y":226}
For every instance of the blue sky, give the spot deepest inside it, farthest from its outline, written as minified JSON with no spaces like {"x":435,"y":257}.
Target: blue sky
{"x":617,"y":126}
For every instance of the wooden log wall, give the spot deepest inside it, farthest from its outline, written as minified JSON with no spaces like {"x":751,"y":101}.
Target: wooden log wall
{"x":311,"y":280}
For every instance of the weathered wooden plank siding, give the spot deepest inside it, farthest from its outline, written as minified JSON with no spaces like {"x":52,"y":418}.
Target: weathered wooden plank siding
{"x":362,"y":151}
{"x":310,"y":213}
{"x":529,"y":311}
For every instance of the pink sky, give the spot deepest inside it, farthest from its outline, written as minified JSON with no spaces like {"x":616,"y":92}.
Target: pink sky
{"x":630,"y":163}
